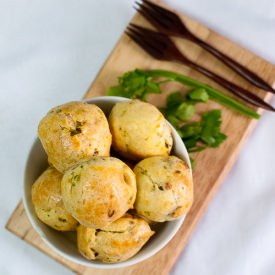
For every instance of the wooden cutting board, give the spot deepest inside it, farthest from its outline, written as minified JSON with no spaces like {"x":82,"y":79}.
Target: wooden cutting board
{"x":212,"y":165}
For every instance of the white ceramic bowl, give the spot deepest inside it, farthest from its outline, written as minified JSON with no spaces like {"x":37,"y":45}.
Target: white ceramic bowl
{"x":65,"y":243}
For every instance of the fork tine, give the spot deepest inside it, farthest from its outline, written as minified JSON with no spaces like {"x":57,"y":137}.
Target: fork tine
{"x":145,"y":42}
{"x":146,"y":35}
{"x":152,"y":15}
{"x":152,"y":37}
{"x":142,"y":30}
{"x":147,"y":48}
{"x":134,"y":37}
{"x":158,"y":8}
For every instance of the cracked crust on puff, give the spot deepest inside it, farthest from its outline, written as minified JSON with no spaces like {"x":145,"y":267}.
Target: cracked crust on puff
{"x":116,"y":242}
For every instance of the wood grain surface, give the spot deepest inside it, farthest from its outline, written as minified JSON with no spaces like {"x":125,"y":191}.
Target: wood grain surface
{"x":212,"y":165}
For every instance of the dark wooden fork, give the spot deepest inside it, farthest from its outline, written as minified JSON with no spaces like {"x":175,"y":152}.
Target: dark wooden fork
{"x":170,"y":23}
{"x":161,"y":47}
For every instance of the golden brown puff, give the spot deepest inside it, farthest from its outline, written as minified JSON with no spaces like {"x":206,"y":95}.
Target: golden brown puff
{"x":164,"y":188}
{"x":73,"y":132}
{"x":139,"y":130}
{"x":48,"y":203}
{"x":99,"y":191}
{"x":116,"y":242}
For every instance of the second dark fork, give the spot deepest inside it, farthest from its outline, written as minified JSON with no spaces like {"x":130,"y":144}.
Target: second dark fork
{"x":162,"y":47}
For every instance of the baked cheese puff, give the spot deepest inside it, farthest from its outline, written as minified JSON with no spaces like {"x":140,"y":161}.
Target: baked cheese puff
{"x":164,"y":188}
{"x":116,"y":242}
{"x":139,"y":130}
{"x":72,"y":132}
{"x":99,"y":191}
{"x":48,"y":203}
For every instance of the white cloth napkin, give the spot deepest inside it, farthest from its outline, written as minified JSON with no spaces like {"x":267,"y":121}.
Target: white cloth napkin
{"x":49,"y":53}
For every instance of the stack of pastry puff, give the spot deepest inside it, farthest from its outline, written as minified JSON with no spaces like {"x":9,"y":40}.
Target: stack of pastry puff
{"x":88,"y":190}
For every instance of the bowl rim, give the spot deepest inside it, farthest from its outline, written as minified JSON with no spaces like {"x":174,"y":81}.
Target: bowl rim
{"x":94,"y":264}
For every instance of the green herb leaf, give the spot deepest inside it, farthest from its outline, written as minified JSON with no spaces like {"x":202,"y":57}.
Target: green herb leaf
{"x":192,"y":162}
{"x":185,"y":111}
{"x":197,"y":149}
{"x":116,"y":91}
{"x":190,"y":143}
{"x":173,"y":120}
{"x":211,"y":133}
{"x":199,"y":95}
{"x":191,"y":130}
{"x":133,"y":80}
{"x":152,"y":87}
{"x":174,"y":99}
{"x":135,"y":84}
{"x":177,"y":109}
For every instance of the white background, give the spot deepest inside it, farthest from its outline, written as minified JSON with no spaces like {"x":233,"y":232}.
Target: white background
{"x":50,"y":51}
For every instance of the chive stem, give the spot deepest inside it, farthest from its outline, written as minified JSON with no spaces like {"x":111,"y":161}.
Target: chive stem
{"x":213,"y":93}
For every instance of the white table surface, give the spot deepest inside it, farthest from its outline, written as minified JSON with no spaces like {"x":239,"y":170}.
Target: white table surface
{"x":50,"y":51}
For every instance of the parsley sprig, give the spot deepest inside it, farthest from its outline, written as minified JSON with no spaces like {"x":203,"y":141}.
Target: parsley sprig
{"x":198,"y":135}
{"x":135,"y":84}
{"x":139,"y":83}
